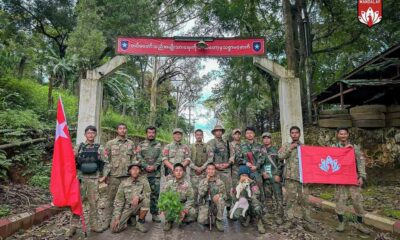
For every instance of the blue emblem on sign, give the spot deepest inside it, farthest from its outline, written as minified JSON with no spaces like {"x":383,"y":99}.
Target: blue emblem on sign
{"x":124,"y":45}
{"x":256,"y":46}
{"x":329,"y":163}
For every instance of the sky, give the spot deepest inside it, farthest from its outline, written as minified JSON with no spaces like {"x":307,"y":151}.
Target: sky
{"x":204,"y":117}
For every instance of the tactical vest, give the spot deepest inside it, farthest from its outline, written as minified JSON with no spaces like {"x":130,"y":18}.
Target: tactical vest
{"x":88,"y":159}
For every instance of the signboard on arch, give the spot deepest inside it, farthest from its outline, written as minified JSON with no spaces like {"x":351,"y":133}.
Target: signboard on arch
{"x":191,"y":46}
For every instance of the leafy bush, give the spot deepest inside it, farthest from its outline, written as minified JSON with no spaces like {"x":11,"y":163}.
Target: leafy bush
{"x":17,"y":119}
{"x":4,"y":166}
{"x":170,"y":203}
{"x":40,"y":181}
{"x":28,"y":94}
{"x":4,"y":210}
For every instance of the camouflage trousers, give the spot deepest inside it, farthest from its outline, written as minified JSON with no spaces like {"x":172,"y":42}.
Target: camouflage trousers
{"x":191,"y":216}
{"x":226,"y":177}
{"x":129,"y":212}
{"x":254,"y":211}
{"x":297,"y":199}
{"x":217,"y":211}
{"x":155,"y":193}
{"x":342,"y":192}
{"x":195,"y":181}
{"x":89,"y":188}
{"x":235,"y":175}
{"x":273,"y":196}
{"x":112,"y":188}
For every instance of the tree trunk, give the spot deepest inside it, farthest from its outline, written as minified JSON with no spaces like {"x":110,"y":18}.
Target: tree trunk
{"x":50,"y":93}
{"x":153,"y":93}
{"x":289,"y":36}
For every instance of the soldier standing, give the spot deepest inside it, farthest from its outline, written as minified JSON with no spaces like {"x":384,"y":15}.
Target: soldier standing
{"x":251,"y":207}
{"x":201,"y":155}
{"x":148,"y":154}
{"x":213,"y":189}
{"x":234,"y":148}
{"x":220,"y":154}
{"x":178,"y":184}
{"x":175,"y":152}
{"x":342,"y":191}
{"x":296,"y":192}
{"x":119,"y":154}
{"x":271,"y":172}
{"x":250,"y":156}
{"x":89,"y":163}
{"x":132,"y":199}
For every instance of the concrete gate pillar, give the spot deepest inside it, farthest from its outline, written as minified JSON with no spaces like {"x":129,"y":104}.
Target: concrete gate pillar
{"x":91,"y":96}
{"x":289,"y":96}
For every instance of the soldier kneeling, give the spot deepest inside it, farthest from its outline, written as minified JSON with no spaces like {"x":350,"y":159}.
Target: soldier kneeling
{"x":212,"y":198}
{"x":132,"y":199}
{"x":179,"y":185}
{"x":247,"y":203}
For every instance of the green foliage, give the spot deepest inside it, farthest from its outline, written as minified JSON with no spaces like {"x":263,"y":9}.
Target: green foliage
{"x":4,"y":166}
{"x":327,"y":195}
{"x":40,"y":181}
{"x":28,"y":156}
{"x":170,"y":203}
{"x":394,"y":213}
{"x":17,"y":119}
{"x":28,"y":94}
{"x":4,"y":210}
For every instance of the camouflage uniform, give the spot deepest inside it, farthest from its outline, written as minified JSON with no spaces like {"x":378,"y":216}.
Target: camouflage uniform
{"x":355,"y":191}
{"x":175,"y":152}
{"x":255,"y":208}
{"x":89,"y":188}
{"x":185,"y":190}
{"x":272,"y":189}
{"x":149,"y":154}
{"x":219,"y":151}
{"x":255,"y":148}
{"x":201,"y":155}
{"x":213,"y":187}
{"x":119,"y":154}
{"x":234,"y":158}
{"x":128,"y":189}
{"x":296,"y":192}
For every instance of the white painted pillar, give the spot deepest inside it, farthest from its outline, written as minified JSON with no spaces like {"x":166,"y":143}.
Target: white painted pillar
{"x":290,"y":107}
{"x":289,"y":96}
{"x":90,"y":100}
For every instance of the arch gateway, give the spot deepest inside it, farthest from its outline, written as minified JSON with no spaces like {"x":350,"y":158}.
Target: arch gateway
{"x":91,"y":87}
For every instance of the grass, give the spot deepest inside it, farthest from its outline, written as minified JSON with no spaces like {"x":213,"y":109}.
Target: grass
{"x":393,"y":213}
{"x":4,"y":210}
{"x":327,"y":196}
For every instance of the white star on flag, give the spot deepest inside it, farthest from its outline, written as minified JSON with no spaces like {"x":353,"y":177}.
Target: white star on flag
{"x":60,"y":130}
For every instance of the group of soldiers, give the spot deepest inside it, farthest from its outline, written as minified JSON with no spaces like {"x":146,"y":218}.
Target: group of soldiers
{"x":242,"y":176}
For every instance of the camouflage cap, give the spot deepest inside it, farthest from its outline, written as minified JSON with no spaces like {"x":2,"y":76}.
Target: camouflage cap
{"x":236,"y":130}
{"x":218,"y":127}
{"x":177,"y":130}
{"x":134,"y":163}
{"x":266,"y":134}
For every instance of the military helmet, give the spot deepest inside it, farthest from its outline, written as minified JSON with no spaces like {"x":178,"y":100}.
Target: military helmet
{"x":266,"y":134}
{"x":134,"y":163}
{"x":218,"y":127}
{"x":236,"y":130}
{"x":177,"y":130}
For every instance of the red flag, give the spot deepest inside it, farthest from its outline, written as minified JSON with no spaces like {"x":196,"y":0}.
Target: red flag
{"x":327,"y":165}
{"x":64,"y":184}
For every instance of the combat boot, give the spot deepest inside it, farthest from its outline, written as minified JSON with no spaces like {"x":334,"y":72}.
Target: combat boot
{"x":219,"y":225}
{"x":132,"y":221}
{"x":156,"y":218}
{"x":361,"y":228}
{"x":70,"y":232}
{"x":245,"y":221}
{"x":260,"y":227}
{"x":278,"y":220}
{"x":167,"y":226}
{"x":141,"y":227}
{"x":340,"y":227}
